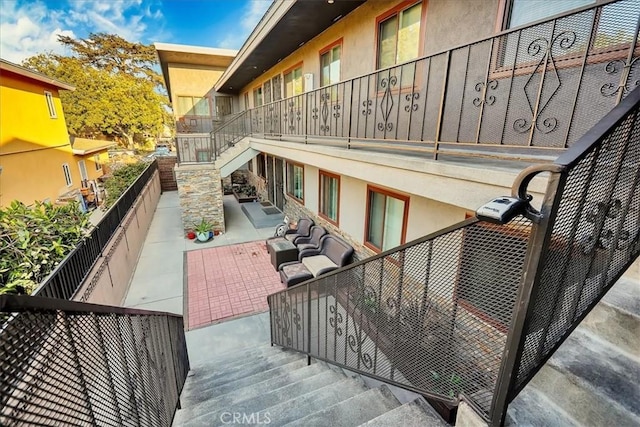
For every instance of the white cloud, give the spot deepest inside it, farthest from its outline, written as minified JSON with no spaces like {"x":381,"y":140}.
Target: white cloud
{"x":253,"y":12}
{"x":28,"y":30}
{"x":31,"y":27}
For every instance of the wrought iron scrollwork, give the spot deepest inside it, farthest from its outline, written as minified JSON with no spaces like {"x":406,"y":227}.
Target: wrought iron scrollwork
{"x":366,"y":302}
{"x":285,"y":326}
{"x":602,"y":238}
{"x":367,"y":107}
{"x":624,"y":85}
{"x":544,"y":48}
{"x":324,"y":111}
{"x":483,"y":89}
{"x":292,"y":115}
{"x":336,"y":320}
{"x":412,"y":105}
{"x":386,"y":103}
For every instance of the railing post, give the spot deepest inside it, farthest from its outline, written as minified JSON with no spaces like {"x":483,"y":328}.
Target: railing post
{"x":350,"y":114}
{"x":538,"y":245}
{"x":308,"y":324}
{"x":443,"y":97}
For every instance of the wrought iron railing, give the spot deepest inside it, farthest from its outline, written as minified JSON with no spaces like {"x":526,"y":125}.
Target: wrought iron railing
{"x":475,"y":310}
{"x":70,"y":363}
{"x":528,"y":92}
{"x":205,"y":148}
{"x":66,"y":279}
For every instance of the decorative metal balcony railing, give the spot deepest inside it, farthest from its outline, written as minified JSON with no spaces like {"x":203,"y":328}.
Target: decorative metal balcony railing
{"x":475,"y":310}
{"x":70,"y":363}
{"x":205,"y":148}
{"x":66,"y":279}
{"x":526,"y":92}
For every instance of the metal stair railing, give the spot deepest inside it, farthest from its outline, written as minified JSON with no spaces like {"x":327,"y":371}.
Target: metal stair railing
{"x":71,"y":363}
{"x":476,"y":309}
{"x":229,"y":133}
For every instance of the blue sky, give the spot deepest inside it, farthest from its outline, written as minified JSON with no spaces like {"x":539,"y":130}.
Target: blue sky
{"x":29,"y":27}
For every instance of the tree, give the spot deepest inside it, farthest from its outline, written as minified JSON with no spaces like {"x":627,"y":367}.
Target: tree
{"x":116,"y":88}
{"x":114,"y":54}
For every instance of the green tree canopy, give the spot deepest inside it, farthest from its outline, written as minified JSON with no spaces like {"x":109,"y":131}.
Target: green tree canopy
{"x":116,"y":88}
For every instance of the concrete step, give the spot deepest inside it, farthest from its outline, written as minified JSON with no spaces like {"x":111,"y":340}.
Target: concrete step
{"x":532,"y":408}
{"x":190,"y":392}
{"x":287,"y":410}
{"x":617,"y":317}
{"x":415,"y":413}
{"x":351,"y":412}
{"x":252,"y":366}
{"x":258,"y":383}
{"x":254,"y":398}
{"x":593,"y":381}
{"x":236,"y":355}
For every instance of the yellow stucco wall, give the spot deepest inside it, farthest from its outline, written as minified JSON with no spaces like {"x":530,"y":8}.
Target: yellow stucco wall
{"x":474,"y":18}
{"x":34,"y":146}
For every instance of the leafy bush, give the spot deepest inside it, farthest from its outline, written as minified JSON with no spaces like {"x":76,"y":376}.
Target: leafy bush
{"x":121,"y":179}
{"x":34,"y":240}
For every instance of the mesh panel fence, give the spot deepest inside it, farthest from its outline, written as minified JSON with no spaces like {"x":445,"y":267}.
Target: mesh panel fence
{"x":71,"y":368}
{"x":594,"y":238}
{"x":430,"y":316}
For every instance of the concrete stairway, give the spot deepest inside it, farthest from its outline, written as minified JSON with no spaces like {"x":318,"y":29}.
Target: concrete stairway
{"x":233,"y":157}
{"x":594,"y":377}
{"x":269,"y":385}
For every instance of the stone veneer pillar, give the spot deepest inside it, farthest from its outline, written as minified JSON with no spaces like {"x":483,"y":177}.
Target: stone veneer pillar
{"x":200,"y":194}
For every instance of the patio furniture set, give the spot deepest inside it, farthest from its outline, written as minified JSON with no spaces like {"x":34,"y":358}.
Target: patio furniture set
{"x":306,"y":252}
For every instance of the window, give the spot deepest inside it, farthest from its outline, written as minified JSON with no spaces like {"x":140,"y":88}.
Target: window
{"x":522,"y":12}
{"x":399,"y":35}
{"x":84,"y":176}
{"x":329,"y":196}
{"x":276,"y":83}
{"x":267,"y":92}
{"x":203,"y":156}
{"x":246,"y":101}
{"x":295,"y":180}
{"x":257,"y":96}
{"x":67,"y":174}
{"x":193,"y":106}
{"x":96,"y":161}
{"x":261,"y":161}
{"x":330,"y":64}
{"x":386,"y":219}
{"x":50,"y":105}
{"x":293,"y":82}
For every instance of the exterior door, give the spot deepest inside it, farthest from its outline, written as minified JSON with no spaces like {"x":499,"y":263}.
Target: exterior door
{"x":84,"y":176}
{"x":270,"y":179}
{"x":279,"y":184}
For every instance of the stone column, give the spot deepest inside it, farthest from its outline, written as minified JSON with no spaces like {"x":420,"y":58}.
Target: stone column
{"x":200,"y":193}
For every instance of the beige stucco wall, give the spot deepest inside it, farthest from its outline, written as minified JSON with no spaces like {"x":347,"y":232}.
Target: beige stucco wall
{"x":448,"y":23}
{"x":193,"y":80}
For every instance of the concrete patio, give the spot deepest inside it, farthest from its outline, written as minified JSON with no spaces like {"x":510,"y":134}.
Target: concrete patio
{"x":159,"y":282}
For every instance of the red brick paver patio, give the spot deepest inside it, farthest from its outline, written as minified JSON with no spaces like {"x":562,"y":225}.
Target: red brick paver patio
{"x":228,"y":281}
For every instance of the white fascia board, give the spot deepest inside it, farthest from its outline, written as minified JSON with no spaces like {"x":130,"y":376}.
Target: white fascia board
{"x":276,"y":11}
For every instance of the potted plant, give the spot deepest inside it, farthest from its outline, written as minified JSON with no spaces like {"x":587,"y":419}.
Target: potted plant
{"x":203,"y":230}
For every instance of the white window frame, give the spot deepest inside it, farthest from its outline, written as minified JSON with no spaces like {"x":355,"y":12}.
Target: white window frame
{"x":84,"y":173}
{"x":67,"y":174}
{"x":51,"y":106}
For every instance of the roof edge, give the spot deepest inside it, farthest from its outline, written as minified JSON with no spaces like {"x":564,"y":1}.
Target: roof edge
{"x":184,"y":48}
{"x":276,"y":11}
{"x":25,"y":72}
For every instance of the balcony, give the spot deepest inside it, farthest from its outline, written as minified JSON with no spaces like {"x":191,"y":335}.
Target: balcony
{"x":526,"y":94}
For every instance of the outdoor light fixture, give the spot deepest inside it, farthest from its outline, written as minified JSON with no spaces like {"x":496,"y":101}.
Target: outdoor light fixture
{"x":330,"y":1}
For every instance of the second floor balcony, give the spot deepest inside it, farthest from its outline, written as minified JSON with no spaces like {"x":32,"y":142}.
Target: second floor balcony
{"x":524,"y":94}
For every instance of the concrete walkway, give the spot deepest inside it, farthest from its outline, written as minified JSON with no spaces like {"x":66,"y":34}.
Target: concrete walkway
{"x":159,"y":279}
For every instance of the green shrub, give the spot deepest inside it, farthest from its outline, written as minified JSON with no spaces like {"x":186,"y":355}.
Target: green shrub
{"x":121,"y":179}
{"x":34,"y":240}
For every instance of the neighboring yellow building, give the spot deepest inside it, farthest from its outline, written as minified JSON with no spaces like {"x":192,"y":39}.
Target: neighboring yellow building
{"x":37,"y":158}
